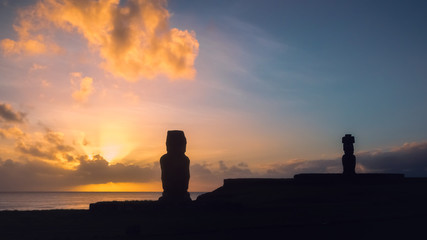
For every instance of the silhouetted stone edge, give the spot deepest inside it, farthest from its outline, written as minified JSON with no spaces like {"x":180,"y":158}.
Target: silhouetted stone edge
{"x":366,"y":178}
{"x":319,"y":178}
{"x":132,"y":206}
{"x":231,"y":182}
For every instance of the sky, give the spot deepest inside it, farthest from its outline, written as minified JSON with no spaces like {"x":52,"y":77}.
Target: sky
{"x":89,"y":89}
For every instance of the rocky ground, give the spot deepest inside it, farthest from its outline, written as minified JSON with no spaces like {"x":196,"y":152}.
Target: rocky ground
{"x":243,"y":210}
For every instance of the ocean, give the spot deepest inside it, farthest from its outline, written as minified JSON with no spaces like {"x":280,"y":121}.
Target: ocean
{"x":69,"y":200}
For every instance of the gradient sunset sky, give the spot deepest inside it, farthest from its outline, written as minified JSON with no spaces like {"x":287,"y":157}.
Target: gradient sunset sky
{"x":88,"y":89}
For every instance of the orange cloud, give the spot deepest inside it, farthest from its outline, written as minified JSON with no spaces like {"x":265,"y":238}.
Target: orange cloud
{"x":30,"y":46}
{"x":135,"y":40}
{"x":11,"y":132}
{"x":86,"y":87}
{"x":30,"y":40}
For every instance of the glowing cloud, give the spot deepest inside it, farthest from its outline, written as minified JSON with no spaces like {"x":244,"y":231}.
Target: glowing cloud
{"x":86,"y":87}
{"x":134,"y":39}
{"x":28,"y":46}
{"x":12,"y":132}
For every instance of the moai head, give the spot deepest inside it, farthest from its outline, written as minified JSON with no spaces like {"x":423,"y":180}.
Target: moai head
{"x":176,"y":142}
{"x":348,"y":141}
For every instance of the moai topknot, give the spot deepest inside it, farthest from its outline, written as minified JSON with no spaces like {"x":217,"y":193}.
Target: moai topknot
{"x":348,"y":159}
{"x":175,"y":167}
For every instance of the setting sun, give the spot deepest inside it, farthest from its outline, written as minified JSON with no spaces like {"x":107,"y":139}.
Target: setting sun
{"x":113,"y":140}
{"x":110,"y":152}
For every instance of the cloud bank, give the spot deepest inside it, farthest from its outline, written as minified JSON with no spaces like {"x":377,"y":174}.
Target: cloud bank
{"x":410,"y":159}
{"x":39,"y":175}
{"x":134,"y":38}
{"x":35,"y":174}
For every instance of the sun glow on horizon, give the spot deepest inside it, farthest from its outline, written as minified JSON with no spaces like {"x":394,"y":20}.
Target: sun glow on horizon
{"x":110,"y":152}
{"x":119,"y":187}
{"x":113,"y":141}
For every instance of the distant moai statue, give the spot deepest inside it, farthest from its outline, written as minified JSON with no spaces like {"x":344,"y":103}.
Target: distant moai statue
{"x":175,"y":166}
{"x":348,"y":159}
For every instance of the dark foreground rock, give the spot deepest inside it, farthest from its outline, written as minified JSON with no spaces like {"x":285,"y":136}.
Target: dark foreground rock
{"x":244,"y":209}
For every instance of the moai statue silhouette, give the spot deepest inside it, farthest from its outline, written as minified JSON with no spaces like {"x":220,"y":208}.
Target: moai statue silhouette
{"x":175,"y":166}
{"x":348,"y":159}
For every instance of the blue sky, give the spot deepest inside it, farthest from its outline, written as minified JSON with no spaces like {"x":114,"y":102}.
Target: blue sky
{"x":342,"y":66}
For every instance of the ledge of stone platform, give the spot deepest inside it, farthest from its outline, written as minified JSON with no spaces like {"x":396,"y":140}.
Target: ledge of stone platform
{"x":236,"y":182}
{"x":366,"y":178}
{"x":125,"y":206}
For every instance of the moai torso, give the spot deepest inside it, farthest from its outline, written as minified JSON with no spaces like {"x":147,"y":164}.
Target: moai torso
{"x":348,"y":159}
{"x":175,"y":166}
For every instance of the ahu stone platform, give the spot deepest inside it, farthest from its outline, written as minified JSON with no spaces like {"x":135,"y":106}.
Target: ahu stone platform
{"x":282,"y":192}
{"x":367,"y":178}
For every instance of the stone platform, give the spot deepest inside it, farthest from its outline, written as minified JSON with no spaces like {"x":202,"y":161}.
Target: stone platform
{"x":319,"y":178}
{"x":284,"y":192}
{"x":366,"y":178}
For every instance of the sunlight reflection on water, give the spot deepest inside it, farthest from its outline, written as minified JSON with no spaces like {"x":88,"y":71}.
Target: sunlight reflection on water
{"x":70,"y":200}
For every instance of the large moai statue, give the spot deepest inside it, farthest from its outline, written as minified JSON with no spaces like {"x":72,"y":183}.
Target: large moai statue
{"x":348,"y":159}
{"x":175,"y":167}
